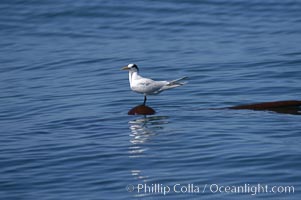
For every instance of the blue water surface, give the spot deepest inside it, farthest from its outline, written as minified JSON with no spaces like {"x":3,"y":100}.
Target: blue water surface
{"x":65,"y":132}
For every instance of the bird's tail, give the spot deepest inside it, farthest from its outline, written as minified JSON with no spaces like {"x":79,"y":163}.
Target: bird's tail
{"x":177,"y":82}
{"x":173,"y":84}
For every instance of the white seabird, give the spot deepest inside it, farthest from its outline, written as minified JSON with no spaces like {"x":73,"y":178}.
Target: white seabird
{"x":148,"y":86}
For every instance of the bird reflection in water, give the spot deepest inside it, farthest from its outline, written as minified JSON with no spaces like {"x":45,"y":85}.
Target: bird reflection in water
{"x":142,"y":132}
{"x":143,"y":129}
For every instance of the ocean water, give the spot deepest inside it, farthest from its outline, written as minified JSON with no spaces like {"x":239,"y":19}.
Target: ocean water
{"x":65,"y":132}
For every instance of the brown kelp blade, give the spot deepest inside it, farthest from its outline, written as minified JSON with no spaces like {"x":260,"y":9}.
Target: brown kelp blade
{"x":141,"y":110}
{"x":287,"y":107}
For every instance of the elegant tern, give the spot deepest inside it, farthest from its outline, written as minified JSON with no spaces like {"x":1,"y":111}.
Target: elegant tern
{"x":148,"y":86}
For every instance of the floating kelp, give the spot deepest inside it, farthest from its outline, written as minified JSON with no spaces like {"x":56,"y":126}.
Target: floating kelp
{"x":142,"y":110}
{"x":286,"y":107}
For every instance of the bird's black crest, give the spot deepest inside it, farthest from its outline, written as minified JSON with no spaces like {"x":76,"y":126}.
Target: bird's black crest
{"x":135,"y":66}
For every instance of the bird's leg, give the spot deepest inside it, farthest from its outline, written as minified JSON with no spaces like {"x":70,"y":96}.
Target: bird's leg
{"x":144,"y":100}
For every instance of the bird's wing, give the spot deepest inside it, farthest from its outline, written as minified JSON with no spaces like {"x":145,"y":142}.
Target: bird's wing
{"x":148,"y":86}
